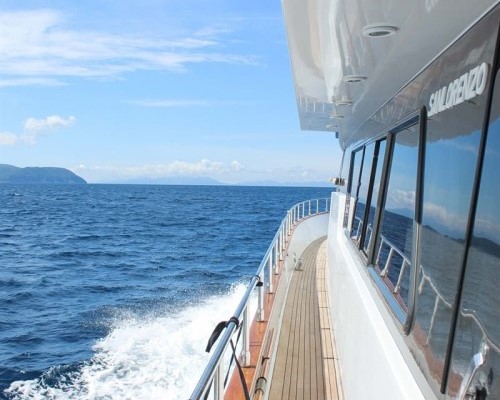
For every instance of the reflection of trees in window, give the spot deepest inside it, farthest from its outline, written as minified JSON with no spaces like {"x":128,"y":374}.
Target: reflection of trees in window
{"x":394,"y":241}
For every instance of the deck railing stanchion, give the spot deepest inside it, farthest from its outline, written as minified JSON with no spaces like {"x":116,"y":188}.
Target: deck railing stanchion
{"x":276,"y":253}
{"x":260,"y":294}
{"x":212,"y":379}
{"x":218,"y":384}
{"x":385,"y":271}
{"x":246,"y":338}
{"x":270,"y":273}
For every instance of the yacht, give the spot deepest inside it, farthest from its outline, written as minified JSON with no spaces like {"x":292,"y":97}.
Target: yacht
{"x":390,"y":289}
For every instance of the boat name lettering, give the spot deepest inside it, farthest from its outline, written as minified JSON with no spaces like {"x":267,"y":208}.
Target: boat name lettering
{"x":466,"y":87}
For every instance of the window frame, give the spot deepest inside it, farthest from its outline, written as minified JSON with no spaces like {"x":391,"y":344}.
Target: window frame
{"x":417,"y":117}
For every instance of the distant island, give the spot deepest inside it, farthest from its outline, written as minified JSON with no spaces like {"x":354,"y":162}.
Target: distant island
{"x":50,"y":175}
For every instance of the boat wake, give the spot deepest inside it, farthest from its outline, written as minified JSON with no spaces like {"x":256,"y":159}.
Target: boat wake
{"x":159,"y":357}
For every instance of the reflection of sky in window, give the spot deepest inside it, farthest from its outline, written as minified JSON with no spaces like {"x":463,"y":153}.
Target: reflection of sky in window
{"x":450,"y":169}
{"x":401,"y":192}
{"x":487,"y":222}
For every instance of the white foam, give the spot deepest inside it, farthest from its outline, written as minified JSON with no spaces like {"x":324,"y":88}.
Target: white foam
{"x":142,"y":359}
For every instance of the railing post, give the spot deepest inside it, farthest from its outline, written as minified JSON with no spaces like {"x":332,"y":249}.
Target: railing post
{"x":379,"y":252}
{"x":260,"y":294}
{"x":309,"y":207}
{"x":270,"y":272}
{"x":218,"y":384}
{"x":276,"y":253}
{"x":385,"y":271}
{"x":246,"y":339}
{"x":280,"y":247}
{"x":400,"y":278}
{"x":317,"y":206}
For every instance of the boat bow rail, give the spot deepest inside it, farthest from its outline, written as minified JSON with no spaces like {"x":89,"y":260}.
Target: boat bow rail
{"x":213,"y":378}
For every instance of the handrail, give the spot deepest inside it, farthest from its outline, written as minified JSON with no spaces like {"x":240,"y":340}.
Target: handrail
{"x":385,"y":271}
{"x":466,"y":314}
{"x":212,"y":375}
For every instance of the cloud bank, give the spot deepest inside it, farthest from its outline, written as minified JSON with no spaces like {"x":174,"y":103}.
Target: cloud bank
{"x":203,"y":167}
{"x":34,"y":128}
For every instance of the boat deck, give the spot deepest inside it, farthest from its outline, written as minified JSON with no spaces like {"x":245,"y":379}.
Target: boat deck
{"x":305,"y":359}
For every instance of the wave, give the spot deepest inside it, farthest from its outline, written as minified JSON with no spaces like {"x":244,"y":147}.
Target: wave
{"x":141,"y":357}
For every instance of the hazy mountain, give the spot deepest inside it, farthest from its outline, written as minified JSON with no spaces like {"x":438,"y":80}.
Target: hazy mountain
{"x":11,"y":174}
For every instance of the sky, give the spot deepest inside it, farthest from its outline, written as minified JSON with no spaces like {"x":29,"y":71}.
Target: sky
{"x":122,"y":90}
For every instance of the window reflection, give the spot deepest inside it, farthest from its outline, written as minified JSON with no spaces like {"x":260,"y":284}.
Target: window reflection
{"x":353,"y":187}
{"x":364,"y":181}
{"x":394,"y":241}
{"x":379,"y":159}
{"x":450,"y":165}
{"x":478,"y":320}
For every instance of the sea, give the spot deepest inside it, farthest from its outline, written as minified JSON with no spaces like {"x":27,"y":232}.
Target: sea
{"x":112,"y":291}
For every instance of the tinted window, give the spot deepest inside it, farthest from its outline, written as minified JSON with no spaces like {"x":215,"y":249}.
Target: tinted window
{"x":394,"y":240}
{"x":452,"y":145}
{"x":364,"y":181}
{"x":356,"y":162}
{"x":478,"y":318}
{"x":379,"y":162}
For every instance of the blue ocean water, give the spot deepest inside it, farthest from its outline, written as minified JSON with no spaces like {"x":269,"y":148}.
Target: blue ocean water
{"x":111,"y":291}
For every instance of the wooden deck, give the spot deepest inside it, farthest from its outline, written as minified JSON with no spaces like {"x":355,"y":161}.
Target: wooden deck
{"x":305,"y":362}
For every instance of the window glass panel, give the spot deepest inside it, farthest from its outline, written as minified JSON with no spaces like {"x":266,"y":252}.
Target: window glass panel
{"x":450,"y":163}
{"x":360,"y":206}
{"x":479,"y":318}
{"x":353,"y":185}
{"x":394,"y":241}
{"x":374,"y":195}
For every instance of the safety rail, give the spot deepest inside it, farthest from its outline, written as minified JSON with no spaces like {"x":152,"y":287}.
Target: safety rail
{"x":440,"y":299}
{"x":213,"y":375}
{"x":357,"y":236}
{"x":392,"y":249}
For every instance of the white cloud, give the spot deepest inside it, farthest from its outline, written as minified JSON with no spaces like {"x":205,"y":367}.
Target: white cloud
{"x":401,"y":199}
{"x":228,"y":172}
{"x":442,"y":216}
{"x":237,"y":166}
{"x":178,"y":103}
{"x":203,"y":167}
{"x":33,"y":128}
{"x":30,"y":82}
{"x":38,"y":44}
{"x":8,"y":139}
{"x":48,"y":123}
{"x":171,"y":103}
{"x":483,"y":227}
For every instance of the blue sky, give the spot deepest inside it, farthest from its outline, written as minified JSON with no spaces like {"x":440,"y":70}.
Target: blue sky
{"x":137,"y":90}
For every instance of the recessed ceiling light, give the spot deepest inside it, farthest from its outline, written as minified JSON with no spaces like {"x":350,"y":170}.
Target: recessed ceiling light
{"x":354,"y":78}
{"x":378,"y":30}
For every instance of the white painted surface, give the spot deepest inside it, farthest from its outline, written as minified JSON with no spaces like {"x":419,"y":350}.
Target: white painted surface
{"x":327,"y":44}
{"x":305,"y":233}
{"x":372,"y":365}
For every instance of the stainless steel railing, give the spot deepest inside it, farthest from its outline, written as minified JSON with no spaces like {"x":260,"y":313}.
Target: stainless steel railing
{"x":212,"y":378}
{"x":392,"y":249}
{"x":425,"y":279}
